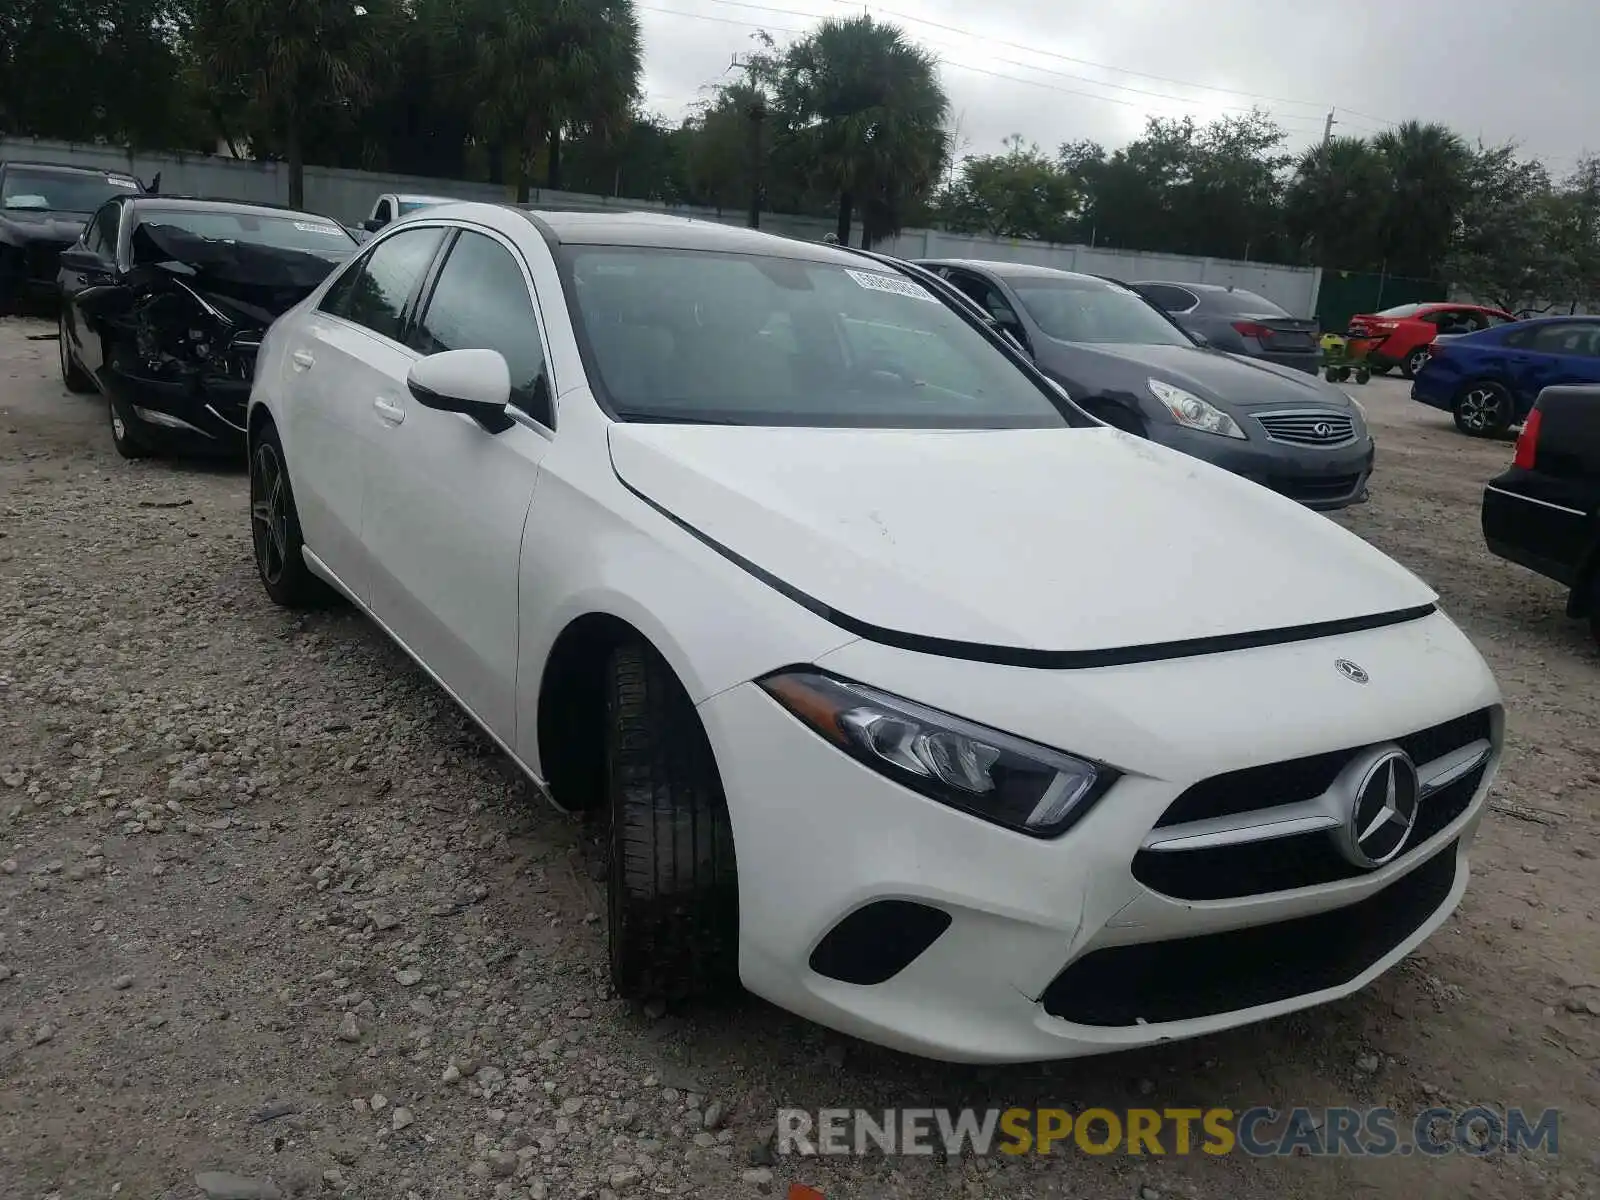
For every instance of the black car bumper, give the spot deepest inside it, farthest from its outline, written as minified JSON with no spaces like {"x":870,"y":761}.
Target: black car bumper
{"x":1547,"y":537}
{"x":1320,"y":479}
{"x":199,"y":418}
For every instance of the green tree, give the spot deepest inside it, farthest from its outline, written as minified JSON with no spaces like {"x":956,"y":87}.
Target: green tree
{"x":540,"y":67}
{"x":1507,"y":248}
{"x":1019,"y":194}
{"x":295,"y":62}
{"x":1335,"y":204}
{"x":862,"y":105}
{"x":1427,"y":167}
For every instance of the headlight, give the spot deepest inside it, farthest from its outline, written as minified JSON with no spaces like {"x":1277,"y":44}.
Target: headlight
{"x":1188,"y":409}
{"x":1023,"y":786}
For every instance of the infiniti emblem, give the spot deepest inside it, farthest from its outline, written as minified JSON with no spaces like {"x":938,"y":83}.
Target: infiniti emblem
{"x":1350,"y":670}
{"x":1322,"y":429}
{"x":1383,"y":810}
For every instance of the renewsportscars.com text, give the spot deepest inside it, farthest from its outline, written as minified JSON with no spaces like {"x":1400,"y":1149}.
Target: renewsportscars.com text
{"x":1260,"y":1132}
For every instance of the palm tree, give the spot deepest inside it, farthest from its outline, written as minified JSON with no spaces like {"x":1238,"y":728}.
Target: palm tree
{"x":1334,"y":206}
{"x":1428,"y":170}
{"x":293,"y":61}
{"x":541,"y":67}
{"x":864,"y":105}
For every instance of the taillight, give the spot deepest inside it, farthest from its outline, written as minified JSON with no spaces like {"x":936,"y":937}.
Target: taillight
{"x":1253,"y":329}
{"x":1434,"y":348}
{"x":1527,"y":442}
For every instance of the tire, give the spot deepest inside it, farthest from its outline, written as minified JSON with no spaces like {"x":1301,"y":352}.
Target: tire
{"x":1413,"y":362}
{"x":275,"y":529}
{"x":1362,"y":375}
{"x":672,"y":893}
{"x":1483,"y":409}
{"x":73,"y":377}
{"x":128,"y":434}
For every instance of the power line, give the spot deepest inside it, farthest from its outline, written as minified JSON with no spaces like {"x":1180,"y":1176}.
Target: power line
{"x":1086,"y":62}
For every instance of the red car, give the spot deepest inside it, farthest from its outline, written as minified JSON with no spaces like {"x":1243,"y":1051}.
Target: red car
{"x":1399,"y":336}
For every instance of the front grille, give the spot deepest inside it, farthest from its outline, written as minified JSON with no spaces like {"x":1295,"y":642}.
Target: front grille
{"x":1254,"y":868}
{"x":1277,"y":783}
{"x":1283,"y":864}
{"x":1188,"y":978}
{"x":1322,"y":429}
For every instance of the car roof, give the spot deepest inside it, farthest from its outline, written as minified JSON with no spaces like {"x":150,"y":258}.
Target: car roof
{"x":621,"y":227}
{"x":66,"y":169}
{"x":203,"y":204}
{"x":1010,"y":270}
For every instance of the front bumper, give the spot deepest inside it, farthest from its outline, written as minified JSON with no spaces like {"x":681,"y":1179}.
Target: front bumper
{"x":202,"y":417}
{"x":1012,"y":975}
{"x":1320,"y":479}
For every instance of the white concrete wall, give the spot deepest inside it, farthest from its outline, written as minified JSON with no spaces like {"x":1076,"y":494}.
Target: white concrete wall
{"x":348,"y":196}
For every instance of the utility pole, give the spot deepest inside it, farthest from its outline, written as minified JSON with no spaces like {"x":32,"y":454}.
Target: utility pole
{"x":1327,"y":129}
{"x":756,"y":115}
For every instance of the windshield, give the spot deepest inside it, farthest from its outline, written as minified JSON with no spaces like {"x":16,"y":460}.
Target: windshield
{"x":411,"y":206}
{"x":289,"y":231}
{"x":1090,"y":310}
{"x":686,"y":335}
{"x":1399,"y":310}
{"x":61,"y":191}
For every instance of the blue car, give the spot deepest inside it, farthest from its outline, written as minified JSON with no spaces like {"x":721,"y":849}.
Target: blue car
{"x":1489,"y":380}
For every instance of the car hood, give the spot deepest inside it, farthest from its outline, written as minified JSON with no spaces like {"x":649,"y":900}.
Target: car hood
{"x":255,"y":281}
{"x":39,"y":225}
{"x":1044,"y":540}
{"x":1210,"y":374}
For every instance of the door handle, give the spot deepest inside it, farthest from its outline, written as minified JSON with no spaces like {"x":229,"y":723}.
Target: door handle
{"x":303,"y":360}
{"x":389,"y":410}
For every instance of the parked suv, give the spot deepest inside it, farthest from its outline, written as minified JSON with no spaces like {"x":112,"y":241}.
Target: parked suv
{"x":1544,"y":512}
{"x":43,"y":209}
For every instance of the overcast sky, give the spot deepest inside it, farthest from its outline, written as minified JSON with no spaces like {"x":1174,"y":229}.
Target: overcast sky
{"x":1059,"y":70}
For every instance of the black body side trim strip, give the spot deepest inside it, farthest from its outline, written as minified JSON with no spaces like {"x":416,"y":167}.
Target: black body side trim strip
{"x":1021,"y":656}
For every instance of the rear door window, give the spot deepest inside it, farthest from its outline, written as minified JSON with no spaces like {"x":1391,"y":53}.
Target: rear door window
{"x":1167,"y":296}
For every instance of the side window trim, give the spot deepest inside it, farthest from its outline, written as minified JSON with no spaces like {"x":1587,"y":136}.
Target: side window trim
{"x":422,"y":296}
{"x":517,"y":256}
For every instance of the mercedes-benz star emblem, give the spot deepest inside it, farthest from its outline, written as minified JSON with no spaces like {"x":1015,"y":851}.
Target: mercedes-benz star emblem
{"x":1322,"y":429}
{"x":1383,"y":811}
{"x":1350,"y":670}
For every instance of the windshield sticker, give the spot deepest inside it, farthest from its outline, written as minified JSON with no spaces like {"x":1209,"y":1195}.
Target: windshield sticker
{"x":872,"y":281}
{"x":122,"y":181}
{"x":326,"y":230}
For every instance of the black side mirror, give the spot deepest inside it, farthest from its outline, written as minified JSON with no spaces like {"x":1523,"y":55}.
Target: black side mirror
{"x":372,"y":224}
{"x":81,"y":258}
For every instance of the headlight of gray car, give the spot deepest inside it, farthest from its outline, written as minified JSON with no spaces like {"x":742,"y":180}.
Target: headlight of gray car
{"x":1189,"y":410}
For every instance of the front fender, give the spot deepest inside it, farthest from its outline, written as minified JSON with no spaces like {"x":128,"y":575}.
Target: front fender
{"x":598,"y":549}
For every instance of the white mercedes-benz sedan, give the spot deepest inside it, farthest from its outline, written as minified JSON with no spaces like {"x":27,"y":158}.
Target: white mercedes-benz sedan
{"x":900,"y":691}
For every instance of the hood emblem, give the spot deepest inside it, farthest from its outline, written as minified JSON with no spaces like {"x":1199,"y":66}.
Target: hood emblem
{"x":1382,"y":812}
{"x":1350,"y":670}
{"x":1322,"y":429}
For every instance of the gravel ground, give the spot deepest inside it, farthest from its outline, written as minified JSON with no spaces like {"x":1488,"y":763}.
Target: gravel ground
{"x":269,"y":907}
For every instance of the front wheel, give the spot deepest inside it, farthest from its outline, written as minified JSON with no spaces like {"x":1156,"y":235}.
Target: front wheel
{"x":73,"y":377}
{"x":128,"y":434}
{"x":672,"y":893}
{"x":1483,"y":409}
{"x":275,"y":528}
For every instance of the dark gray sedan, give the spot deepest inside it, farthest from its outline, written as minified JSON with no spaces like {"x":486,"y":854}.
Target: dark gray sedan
{"x":1239,"y":322}
{"x":1128,"y":364}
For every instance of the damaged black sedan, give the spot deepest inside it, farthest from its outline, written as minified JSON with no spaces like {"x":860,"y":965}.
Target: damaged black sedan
{"x":164,"y":302}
